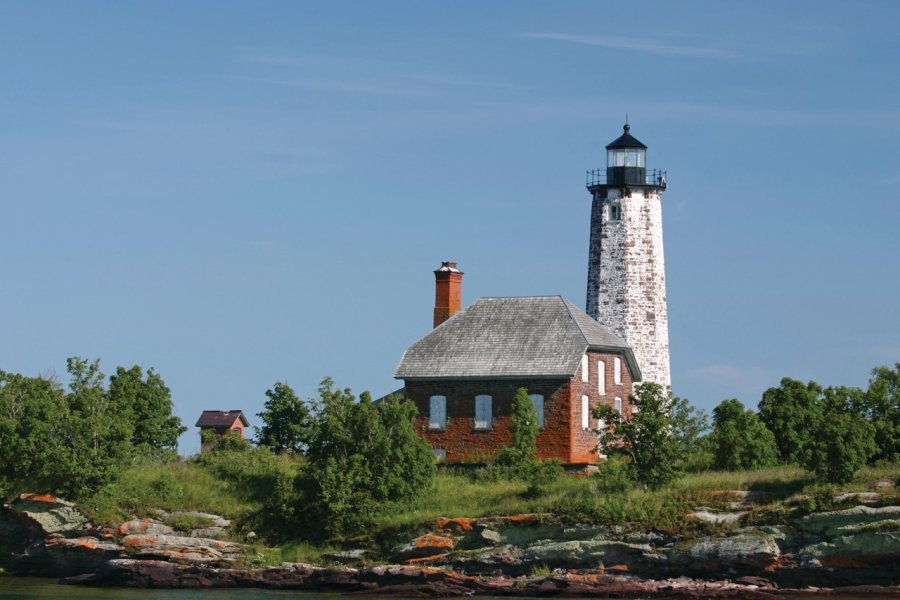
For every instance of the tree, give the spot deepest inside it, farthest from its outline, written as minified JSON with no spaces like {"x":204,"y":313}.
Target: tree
{"x":362,"y":456}
{"x":659,"y":436}
{"x":98,"y":432}
{"x":881,"y":405}
{"x":790,"y":411}
{"x":840,"y":440}
{"x":522,"y":454}
{"x":739,"y":439}
{"x":148,"y":403}
{"x":288,"y":423}
{"x":30,"y":431}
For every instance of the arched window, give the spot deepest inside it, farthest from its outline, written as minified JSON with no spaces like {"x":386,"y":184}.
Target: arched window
{"x":618,"y":405}
{"x":617,"y":371}
{"x":585,"y":375}
{"x":585,"y":412}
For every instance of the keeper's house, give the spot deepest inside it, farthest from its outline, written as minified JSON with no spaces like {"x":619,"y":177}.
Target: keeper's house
{"x":463,"y":375}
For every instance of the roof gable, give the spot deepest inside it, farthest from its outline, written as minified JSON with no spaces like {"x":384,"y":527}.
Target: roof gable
{"x":534,"y":336}
{"x":221,"y":418}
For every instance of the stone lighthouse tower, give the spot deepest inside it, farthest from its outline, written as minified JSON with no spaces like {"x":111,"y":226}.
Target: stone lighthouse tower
{"x":626,"y":288}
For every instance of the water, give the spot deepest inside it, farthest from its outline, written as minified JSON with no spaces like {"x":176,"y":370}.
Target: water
{"x":27,"y":588}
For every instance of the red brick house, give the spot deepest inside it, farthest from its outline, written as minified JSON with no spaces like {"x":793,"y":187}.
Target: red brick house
{"x":463,"y":375}
{"x":222,"y":422}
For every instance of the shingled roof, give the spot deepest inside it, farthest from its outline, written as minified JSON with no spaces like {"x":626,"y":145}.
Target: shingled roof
{"x":221,"y":418}
{"x":494,"y":338}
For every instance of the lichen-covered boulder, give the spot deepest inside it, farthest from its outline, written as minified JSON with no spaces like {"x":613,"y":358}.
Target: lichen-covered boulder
{"x":43,"y":515}
{"x":424,"y":548}
{"x":57,"y":556}
{"x":738,"y":553}
{"x":182,"y":549}
{"x":144,"y":527}
{"x":841,"y":522}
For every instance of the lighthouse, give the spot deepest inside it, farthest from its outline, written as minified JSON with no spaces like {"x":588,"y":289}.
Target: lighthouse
{"x":626,"y":286}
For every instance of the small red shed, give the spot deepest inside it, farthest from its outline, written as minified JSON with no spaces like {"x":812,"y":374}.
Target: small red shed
{"x":222,"y":422}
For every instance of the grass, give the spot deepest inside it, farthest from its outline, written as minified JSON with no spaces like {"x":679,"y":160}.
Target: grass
{"x":240,"y":486}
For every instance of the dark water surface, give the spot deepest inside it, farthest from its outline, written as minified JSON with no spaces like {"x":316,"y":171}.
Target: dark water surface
{"x":28,"y":588}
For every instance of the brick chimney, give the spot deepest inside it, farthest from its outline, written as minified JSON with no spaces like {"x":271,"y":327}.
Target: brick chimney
{"x":447,"y":291}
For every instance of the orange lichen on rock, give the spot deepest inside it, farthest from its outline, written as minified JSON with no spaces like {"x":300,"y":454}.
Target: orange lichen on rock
{"x":432,"y":558}
{"x":456,"y":524}
{"x":39,"y":498}
{"x":140,"y":541}
{"x":524,"y":518}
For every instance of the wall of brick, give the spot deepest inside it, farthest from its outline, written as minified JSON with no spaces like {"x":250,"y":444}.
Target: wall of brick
{"x":584,"y":441}
{"x":562,"y":436}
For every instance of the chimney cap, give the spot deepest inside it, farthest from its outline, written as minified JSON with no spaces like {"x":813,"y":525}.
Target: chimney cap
{"x":448,"y":266}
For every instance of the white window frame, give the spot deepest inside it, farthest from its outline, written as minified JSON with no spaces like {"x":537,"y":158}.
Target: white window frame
{"x":601,"y":377}
{"x":617,"y":371}
{"x":585,"y":365}
{"x":434,"y":423}
{"x":617,"y":405}
{"x":537,"y":401}
{"x":483,"y":408}
{"x":585,"y":412}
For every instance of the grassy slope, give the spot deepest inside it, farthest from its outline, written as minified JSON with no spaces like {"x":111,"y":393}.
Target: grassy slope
{"x":186,"y":485}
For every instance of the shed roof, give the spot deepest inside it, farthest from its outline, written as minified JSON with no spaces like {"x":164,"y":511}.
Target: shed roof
{"x":221,"y":418}
{"x":533,"y":336}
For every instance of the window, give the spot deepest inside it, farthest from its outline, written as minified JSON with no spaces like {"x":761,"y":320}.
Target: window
{"x":618,"y":405}
{"x":440,"y":454}
{"x":615,"y":212}
{"x":585,"y":375}
{"x":601,"y":377}
{"x":482,"y":412}
{"x":585,"y":412}
{"x":437,"y":412}
{"x":538,"y":401}
{"x":617,"y":371}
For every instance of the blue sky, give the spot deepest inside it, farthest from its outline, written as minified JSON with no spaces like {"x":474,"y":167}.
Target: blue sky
{"x":237,"y":193}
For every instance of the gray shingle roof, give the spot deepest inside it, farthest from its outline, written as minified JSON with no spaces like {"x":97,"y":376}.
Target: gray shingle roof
{"x":221,"y":418}
{"x":535,"y":336}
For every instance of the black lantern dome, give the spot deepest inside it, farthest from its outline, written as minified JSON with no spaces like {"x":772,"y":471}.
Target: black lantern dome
{"x":626,"y":160}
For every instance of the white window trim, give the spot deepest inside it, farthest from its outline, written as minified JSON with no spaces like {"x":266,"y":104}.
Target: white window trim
{"x":617,"y":405}
{"x":585,"y":412}
{"x":585,"y":364}
{"x":617,"y":371}
{"x":601,"y":377}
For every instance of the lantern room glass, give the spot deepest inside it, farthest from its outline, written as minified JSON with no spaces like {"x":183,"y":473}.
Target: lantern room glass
{"x":629,"y":157}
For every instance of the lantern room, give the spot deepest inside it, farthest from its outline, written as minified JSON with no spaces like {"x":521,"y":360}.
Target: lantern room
{"x":626,"y":160}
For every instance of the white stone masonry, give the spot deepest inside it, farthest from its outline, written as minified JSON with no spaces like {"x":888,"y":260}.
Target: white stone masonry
{"x":627,"y":275}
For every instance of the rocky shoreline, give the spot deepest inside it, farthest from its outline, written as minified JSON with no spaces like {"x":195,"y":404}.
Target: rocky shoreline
{"x":854,"y":551}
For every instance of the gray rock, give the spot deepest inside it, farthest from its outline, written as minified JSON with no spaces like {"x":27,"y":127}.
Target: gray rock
{"x":742,"y":551}
{"x":489,"y":535}
{"x":145,"y":526}
{"x":833,"y":523}
{"x":46,"y":515}
{"x":717,"y":517}
{"x":584,"y":553}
